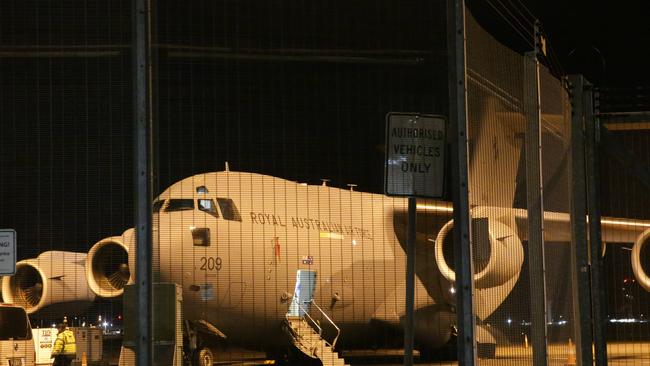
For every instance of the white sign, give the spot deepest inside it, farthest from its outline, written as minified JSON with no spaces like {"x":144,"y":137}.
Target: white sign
{"x":415,"y":155}
{"x":44,"y":342}
{"x":7,"y":252}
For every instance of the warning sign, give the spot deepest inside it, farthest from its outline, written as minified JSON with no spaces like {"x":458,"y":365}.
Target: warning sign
{"x":415,"y":155}
{"x":7,"y":252}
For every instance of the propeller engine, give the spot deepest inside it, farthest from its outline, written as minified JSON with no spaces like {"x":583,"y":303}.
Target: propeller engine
{"x":53,"y":278}
{"x":107,"y":265}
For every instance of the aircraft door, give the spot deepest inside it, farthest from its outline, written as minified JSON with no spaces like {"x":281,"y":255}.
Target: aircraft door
{"x":303,"y":293}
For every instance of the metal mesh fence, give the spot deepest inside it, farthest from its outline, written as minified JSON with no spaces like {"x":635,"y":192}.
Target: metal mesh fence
{"x":491,"y":82}
{"x":66,"y":145}
{"x":496,"y":124}
{"x":500,"y":86}
{"x":624,"y":231}
{"x":286,"y":95}
{"x":268,"y":205}
{"x":65,"y":157}
{"x":556,"y":139}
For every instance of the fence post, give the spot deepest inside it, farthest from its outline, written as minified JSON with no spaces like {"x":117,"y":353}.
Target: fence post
{"x":535,"y":208}
{"x":141,"y":19}
{"x":598,"y":290}
{"x":460,"y":187}
{"x":580,"y":277}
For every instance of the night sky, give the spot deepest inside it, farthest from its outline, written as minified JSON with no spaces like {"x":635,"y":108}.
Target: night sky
{"x":603,"y":40}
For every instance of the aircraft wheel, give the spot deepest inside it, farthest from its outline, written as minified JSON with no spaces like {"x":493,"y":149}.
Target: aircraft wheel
{"x":203,"y":357}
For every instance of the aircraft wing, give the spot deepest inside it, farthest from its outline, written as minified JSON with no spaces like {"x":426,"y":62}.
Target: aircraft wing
{"x":557,"y":227}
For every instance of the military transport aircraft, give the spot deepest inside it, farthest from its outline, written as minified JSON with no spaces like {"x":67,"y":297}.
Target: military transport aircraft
{"x":257,"y":256}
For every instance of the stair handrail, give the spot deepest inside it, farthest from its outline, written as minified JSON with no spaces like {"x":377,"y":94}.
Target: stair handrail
{"x":315,"y":323}
{"x":320,"y":329}
{"x":305,"y":312}
{"x":338,"y":330}
{"x":299,"y":338}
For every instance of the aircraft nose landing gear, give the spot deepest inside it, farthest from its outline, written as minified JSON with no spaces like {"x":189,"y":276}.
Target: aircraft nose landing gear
{"x":203,"y":357}
{"x":198,"y":336}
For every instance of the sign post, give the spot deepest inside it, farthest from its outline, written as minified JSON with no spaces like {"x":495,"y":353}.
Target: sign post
{"x":7,"y":252}
{"x":415,"y":162}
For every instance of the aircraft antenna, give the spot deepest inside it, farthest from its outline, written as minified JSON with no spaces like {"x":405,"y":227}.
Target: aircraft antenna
{"x":351,"y":185}
{"x":325,"y":182}
{"x":227,"y":167}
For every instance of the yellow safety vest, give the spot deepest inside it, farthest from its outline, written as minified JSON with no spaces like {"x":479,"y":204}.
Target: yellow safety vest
{"x":65,"y":344}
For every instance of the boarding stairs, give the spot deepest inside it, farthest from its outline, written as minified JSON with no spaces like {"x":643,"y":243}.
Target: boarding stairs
{"x":307,"y":335}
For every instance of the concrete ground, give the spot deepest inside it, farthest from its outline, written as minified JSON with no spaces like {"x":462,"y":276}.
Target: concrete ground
{"x":619,"y":354}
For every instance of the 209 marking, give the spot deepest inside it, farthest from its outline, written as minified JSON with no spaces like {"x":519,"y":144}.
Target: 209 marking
{"x":211,"y":263}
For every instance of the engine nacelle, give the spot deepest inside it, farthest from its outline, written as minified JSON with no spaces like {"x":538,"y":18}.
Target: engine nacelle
{"x":107,"y":265}
{"x":637,"y":266}
{"x":53,"y":278}
{"x":498,"y":247}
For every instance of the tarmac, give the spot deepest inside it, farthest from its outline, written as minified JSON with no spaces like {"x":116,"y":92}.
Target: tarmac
{"x":619,"y":354}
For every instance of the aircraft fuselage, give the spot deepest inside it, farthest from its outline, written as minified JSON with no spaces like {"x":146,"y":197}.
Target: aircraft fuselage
{"x":266,"y":229}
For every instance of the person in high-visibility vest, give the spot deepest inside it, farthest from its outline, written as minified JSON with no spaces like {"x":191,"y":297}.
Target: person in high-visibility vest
{"x":65,"y":347}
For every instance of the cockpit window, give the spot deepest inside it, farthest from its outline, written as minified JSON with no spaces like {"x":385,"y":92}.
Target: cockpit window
{"x":207,"y":205}
{"x":228,"y":209}
{"x":180,"y":205}
{"x":201,"y":190}
{"x":157,"y":205}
